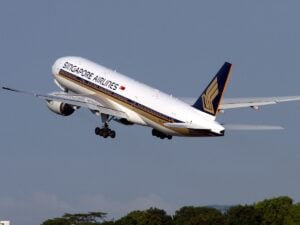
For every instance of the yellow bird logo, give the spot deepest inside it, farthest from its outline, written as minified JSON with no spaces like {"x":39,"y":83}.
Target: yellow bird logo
{"x":211,"y":93}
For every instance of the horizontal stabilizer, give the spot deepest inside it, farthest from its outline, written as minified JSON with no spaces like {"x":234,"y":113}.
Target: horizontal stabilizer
{"x":252,"y":127}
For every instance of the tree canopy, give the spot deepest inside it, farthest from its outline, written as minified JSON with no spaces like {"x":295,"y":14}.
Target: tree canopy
{"x":198,"y":215}
{"x":246,"y":215}
{"x":77,"y":219}
{"x":275,"y":211}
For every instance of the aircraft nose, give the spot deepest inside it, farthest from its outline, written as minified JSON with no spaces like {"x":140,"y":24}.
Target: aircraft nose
{"x":58,"y":65}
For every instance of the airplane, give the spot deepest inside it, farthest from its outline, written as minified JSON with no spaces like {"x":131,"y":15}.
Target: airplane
{"x":113,"y":96}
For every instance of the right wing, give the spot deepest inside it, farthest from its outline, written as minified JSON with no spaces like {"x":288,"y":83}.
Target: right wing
{"x":87,"y":101}
{"x":233,"y":103}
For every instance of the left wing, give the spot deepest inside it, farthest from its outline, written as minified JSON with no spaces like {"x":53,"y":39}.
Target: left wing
{"x":233,"y":103}
{"x":87,"y":101}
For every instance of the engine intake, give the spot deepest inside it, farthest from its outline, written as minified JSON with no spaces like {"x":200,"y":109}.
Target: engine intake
{"x":60,"y":108}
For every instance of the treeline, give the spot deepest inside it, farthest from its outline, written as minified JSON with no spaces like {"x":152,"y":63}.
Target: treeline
{"x":275,"y":211}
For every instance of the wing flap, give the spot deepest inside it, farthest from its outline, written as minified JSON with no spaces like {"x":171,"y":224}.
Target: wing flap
{"x":183,"y":125}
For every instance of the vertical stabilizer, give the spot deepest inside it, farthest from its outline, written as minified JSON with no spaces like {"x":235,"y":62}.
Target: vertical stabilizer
{"x":211,"y":97}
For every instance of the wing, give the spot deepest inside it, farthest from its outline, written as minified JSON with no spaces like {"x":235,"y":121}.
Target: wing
{"x":87,"y":101}
{"x":233,"y":103}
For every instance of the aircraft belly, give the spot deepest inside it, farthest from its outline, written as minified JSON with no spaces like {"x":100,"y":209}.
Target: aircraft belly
{"x":183,"y":132}
{"x":133,"y":116}
{"x":158,"y":126}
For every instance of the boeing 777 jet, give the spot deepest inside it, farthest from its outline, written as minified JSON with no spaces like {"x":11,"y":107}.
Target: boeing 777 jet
{"x":114,"y":96}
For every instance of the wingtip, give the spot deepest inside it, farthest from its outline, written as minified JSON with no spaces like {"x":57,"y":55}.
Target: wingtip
{"x":5,"y":88}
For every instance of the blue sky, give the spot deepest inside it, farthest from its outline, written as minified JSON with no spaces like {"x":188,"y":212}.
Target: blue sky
{"x":51,"y":165}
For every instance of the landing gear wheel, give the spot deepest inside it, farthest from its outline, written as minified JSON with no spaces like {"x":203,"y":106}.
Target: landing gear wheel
{"x":97,"y":130}
{"x":112,"y":134}
{"x":105,"y":132}
{"x":160,"y":135}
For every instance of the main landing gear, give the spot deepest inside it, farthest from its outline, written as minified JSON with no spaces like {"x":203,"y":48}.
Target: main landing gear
{"x":105,"y":131}
{"x":160,"y":135}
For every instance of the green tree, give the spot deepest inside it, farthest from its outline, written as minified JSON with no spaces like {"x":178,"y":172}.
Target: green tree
{"x":274,"y":210}
{"x":108,"y":223}
{"x":293,"y":217}
{"x":132,"y":218}
{"x":156,"y":216}
{"x":57,"y":221}
{"x":246,"y":215}
{"x":198,"y":216}
{"x":152,"y":216}
{"x":78,"y":219}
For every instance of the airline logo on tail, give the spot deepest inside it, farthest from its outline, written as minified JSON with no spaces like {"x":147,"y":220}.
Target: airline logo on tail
{"x":209,"y":96}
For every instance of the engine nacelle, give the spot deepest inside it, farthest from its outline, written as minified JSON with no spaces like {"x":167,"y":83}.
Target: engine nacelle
{"x":60,"y":108}
{"x":124,"y":121}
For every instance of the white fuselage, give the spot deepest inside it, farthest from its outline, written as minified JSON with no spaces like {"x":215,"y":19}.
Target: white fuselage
{"x":143,"y":104}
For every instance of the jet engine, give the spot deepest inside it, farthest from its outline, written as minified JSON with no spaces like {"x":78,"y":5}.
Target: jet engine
{"x":60,"y":108}
{"x":124,"y":121}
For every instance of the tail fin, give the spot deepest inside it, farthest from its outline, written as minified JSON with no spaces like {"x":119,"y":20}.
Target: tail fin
{"x":211,"y":97}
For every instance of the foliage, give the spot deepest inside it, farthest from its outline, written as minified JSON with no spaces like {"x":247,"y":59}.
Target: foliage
{"x":77,"y":219}
{"x":156,"y":216}
{"x":275,"y":211}
{"x":108,"y":223}
{"x":57,"y":221}
{"x":198,"y":216}
{"x":133,"y":218}
{"x":293,"y":217}
{"x":246,"y":215}
{"x":152,"y":216}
